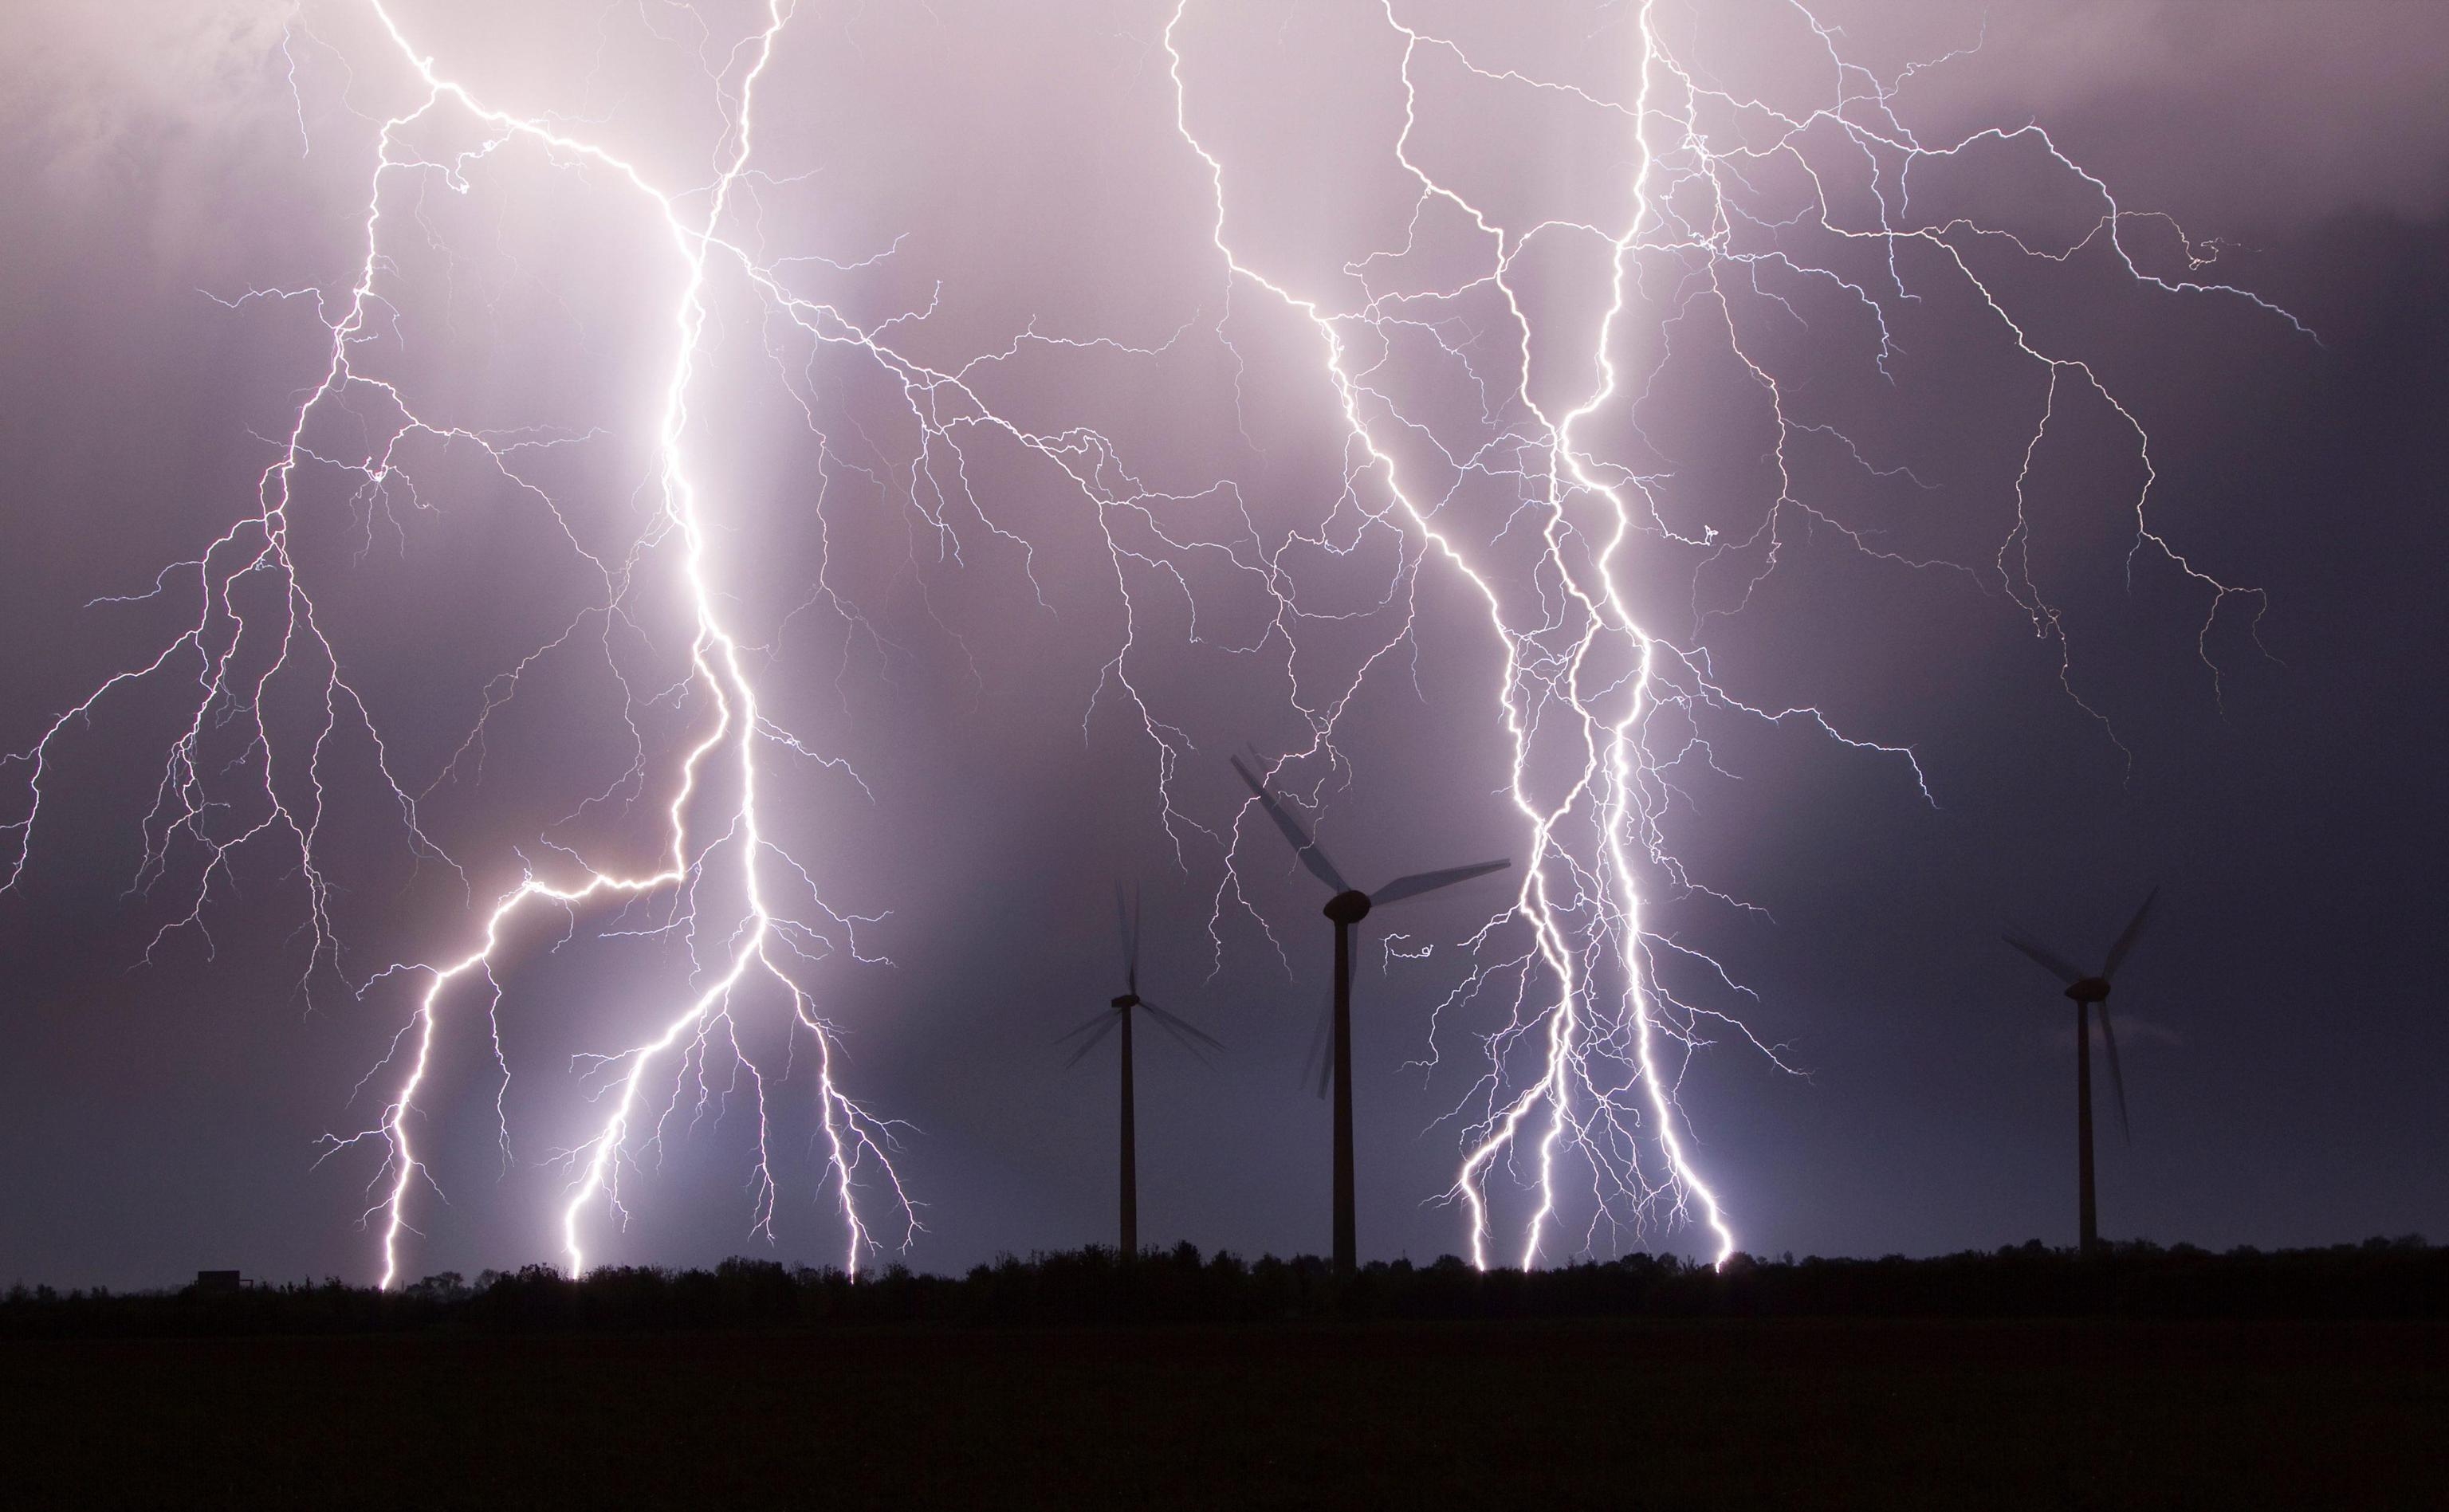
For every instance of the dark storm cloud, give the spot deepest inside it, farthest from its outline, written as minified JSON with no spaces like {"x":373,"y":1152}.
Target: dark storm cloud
{"x":158,"y":1119}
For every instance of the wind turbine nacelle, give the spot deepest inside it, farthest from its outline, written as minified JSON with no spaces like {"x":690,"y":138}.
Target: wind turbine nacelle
{"x":1128,"y":1000}
{"x":1348,"y":907}
{"x":2090,"y":989}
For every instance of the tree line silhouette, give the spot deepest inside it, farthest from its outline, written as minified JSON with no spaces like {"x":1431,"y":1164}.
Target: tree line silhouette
{"x":2380,"y":1278}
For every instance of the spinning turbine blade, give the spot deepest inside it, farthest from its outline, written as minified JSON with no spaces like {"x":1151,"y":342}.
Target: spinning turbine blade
{"x":2116,"y":1077}
{"x":2126,"y":941}
{"x":1182,"y":1026}
{"x":1420,"y":882}
{"x":1103,"y":1014}
{"x":1311,"y":856}
{"x":1089,"y":1044}
{"x":1183,"y":1033}
{"x":1127,"y":919}
{"x":2047,"y":959}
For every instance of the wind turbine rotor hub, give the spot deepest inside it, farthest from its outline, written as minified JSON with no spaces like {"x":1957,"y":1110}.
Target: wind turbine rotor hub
{"x":1348,"y":907}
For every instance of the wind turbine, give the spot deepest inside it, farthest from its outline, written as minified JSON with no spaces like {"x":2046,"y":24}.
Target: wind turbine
{"x":2089,"y":992}
{"x":1348,"y":906}
{"x":1118,"y":1014}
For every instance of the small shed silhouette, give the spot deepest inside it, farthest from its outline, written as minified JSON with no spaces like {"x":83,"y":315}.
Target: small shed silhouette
{"x":215,"y":1283}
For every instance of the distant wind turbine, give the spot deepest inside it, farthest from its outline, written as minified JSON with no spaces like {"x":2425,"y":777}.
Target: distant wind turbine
{"x":2089,"y":992}
{"x":1118,"y":1013}
{"x":1347,"y":907}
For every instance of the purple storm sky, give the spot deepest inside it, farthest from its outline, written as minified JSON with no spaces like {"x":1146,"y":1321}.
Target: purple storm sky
{"x":1018,"y":668}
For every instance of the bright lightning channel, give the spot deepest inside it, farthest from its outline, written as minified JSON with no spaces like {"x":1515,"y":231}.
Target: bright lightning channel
{"x":1609,"y":1042}
{"x":851,"y":1133}
{"x":1582,"y":1074}
{"x":257,"y":549}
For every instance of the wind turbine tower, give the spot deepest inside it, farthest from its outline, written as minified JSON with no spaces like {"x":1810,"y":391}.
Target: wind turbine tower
{"x":1115,"y":1015}
{"x":2089,"y":993}
{"x":1347,"y":907}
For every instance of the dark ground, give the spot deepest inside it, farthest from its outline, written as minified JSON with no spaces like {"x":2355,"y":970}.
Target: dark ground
{"x":1718,"y":1411}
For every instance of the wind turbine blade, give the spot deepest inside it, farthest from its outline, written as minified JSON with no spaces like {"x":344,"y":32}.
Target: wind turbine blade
{"x":1319,"y":1067}
{"x":2116,"y":1077}
{"x":1420,"y":882}
{"x":1176,"y":1028}
{"x":2047,"y":959}
{"x":1103,"y":1014}
{"x":1185,"y":1026}
{"x":1090,"y":1043}
{"x":1128,"y":926}
{"x":2126,"y":941}
{"x":1304,"y":847}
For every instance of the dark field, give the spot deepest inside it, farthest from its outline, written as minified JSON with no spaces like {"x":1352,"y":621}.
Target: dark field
{"x":1716,"y":1411}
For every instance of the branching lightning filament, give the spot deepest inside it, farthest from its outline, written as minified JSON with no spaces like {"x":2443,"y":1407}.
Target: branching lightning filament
{"x":757,"y":955}
{"x":1494,"y":377}
{"x":1603,"y":710}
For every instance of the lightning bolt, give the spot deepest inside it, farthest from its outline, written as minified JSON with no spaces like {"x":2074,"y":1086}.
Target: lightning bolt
{"x":239,"y":653}
{"x":1584,"y":1068}
{"x":1544,"y":509}
{"x":754,"y":949}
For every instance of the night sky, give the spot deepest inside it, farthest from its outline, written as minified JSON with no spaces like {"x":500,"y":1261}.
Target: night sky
{"x":1017,"y":690}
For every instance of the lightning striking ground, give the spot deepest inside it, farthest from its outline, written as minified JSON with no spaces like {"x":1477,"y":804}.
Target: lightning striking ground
{"x":757,"y":952}
{"x":1489,"y":429}
{"x":1585,"y":1065}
